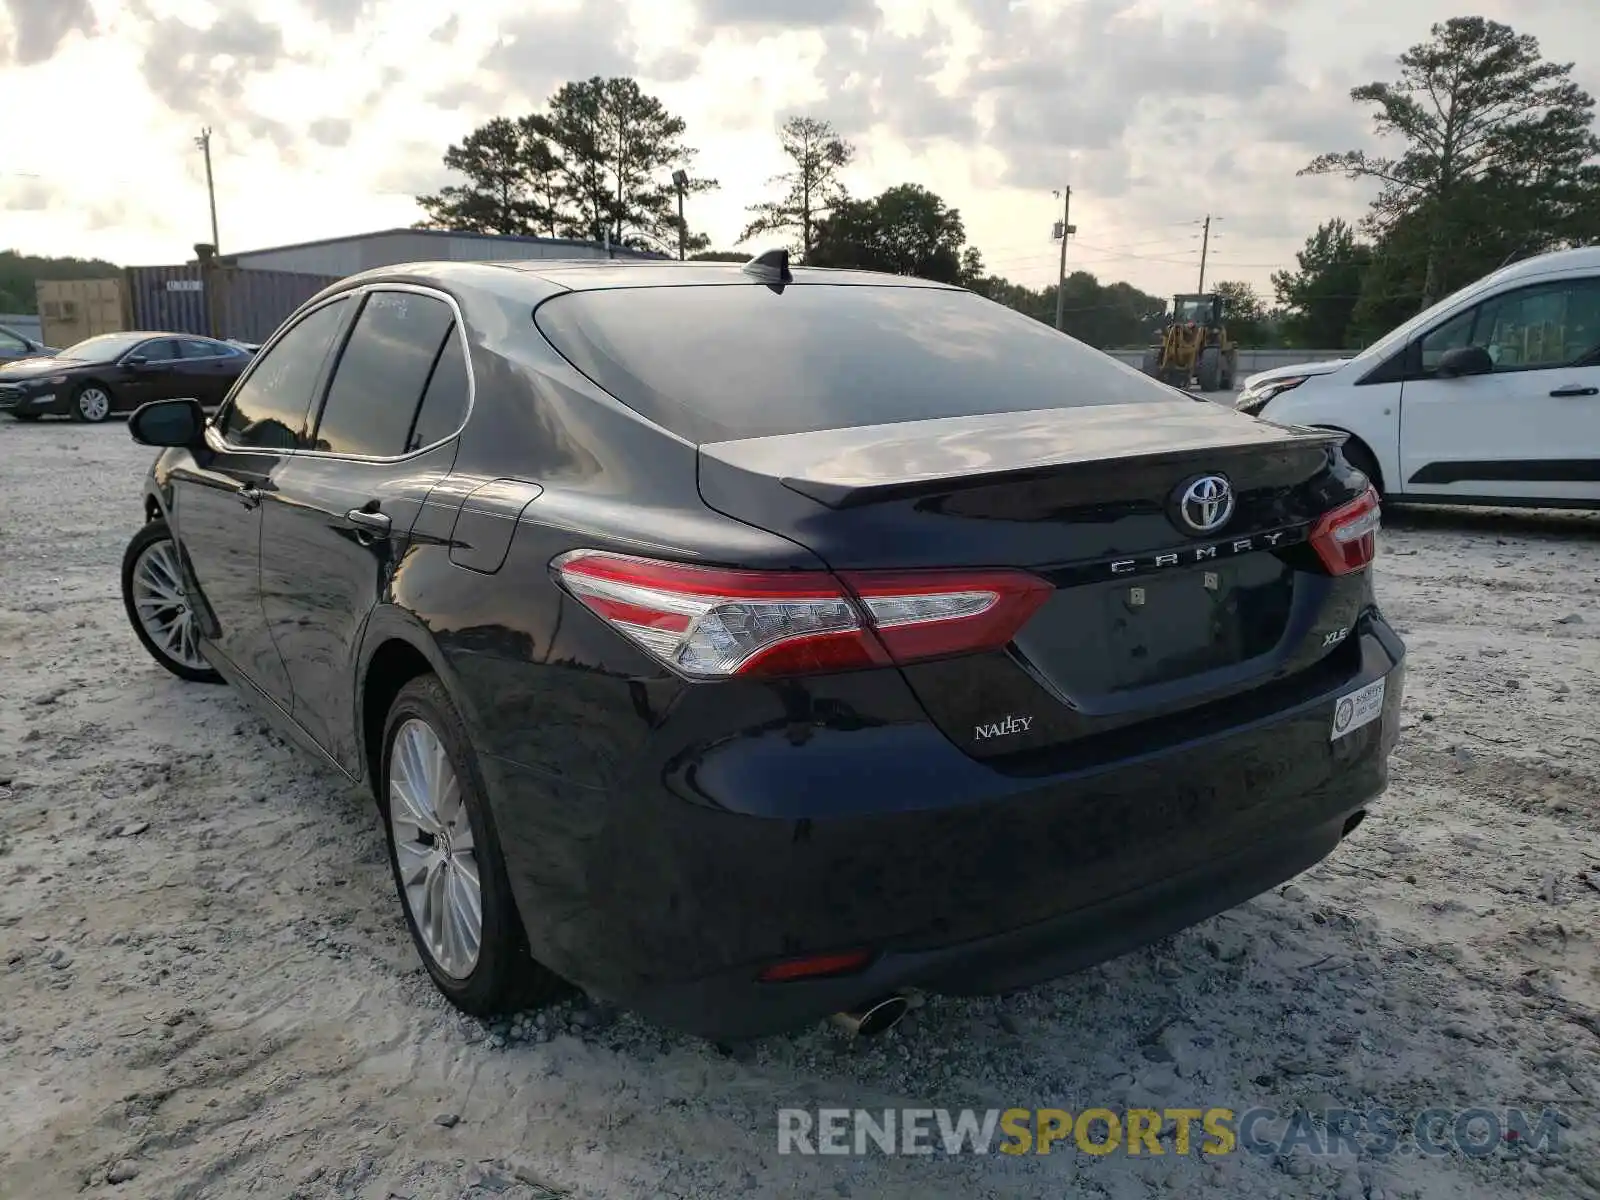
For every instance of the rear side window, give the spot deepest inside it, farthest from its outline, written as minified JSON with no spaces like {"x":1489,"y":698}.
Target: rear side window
{"x":444,"y":404}
{"x":382,"y":373}
{"x":194,"y":348}
{"x":716,"y":363}
{"x":269,"y":408}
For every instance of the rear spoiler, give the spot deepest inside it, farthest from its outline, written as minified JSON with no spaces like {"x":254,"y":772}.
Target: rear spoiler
{"x":844,"y":468}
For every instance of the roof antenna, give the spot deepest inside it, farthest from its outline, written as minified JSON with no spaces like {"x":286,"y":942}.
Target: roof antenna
{"x":769,"y":267}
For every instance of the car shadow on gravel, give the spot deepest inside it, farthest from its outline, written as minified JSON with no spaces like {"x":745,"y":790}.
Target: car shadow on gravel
{"x":1501,"y":522}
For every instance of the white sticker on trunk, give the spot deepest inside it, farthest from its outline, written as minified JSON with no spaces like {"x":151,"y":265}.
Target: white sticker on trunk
{"x":1360,"y":707}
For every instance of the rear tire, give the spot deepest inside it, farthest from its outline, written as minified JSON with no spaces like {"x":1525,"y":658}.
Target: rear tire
{"x":1209,"y":369}
{"x":446,"y":861}
{"x":1151,"y":364}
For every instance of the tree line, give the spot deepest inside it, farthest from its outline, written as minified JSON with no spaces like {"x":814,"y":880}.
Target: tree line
{"x":1495,"y":160}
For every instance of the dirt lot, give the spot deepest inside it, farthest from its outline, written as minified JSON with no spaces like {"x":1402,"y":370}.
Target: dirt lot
{"x":208,"y":990}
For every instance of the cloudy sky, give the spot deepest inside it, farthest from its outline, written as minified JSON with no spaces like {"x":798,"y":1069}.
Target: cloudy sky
{"x":329,"y":115}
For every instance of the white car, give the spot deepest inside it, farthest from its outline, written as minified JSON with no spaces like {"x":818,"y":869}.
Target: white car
{"x":1492,"y":396}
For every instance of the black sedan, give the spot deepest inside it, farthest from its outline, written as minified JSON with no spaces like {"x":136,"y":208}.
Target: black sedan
{"x":744,"y":645}
{"x":117,"y":372}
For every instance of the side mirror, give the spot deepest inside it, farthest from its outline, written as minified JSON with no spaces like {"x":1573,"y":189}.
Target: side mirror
{"x":1464,"y":360}
{"x":135,"y":361}
{"x":168,"y":423}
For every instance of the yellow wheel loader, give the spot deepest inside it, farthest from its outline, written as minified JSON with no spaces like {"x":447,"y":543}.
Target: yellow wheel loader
{"x":1195,"y":347}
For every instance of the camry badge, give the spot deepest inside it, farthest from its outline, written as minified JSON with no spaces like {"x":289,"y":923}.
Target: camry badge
{"x":1206,"y":503}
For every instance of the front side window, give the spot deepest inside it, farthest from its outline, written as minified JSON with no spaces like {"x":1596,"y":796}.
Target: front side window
{"x":157,"y":350}
{"x":269,"y":409}
{"x":378,"y":384}
{"x":1452,"y":335}
{"x":10,"y":342}
{"x":1554,"y":325}
{"x":195,"y":348}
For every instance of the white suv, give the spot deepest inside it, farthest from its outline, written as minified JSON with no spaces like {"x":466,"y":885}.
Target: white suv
{"x":1492,"y":396}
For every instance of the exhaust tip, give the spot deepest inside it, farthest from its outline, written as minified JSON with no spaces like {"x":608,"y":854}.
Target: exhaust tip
{"x":870,"y":1020}
{"x":1352,"y":821}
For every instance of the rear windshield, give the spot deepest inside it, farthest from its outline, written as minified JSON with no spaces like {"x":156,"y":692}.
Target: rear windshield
{"x":718,"y":363}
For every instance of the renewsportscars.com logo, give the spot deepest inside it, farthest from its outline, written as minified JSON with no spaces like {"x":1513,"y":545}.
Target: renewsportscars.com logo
{"x":1373,"y":1132}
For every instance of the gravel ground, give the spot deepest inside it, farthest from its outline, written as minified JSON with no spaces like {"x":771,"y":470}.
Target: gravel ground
{"x":208,"y":990}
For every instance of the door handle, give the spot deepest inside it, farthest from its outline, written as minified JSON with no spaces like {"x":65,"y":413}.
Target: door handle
{"x":1574,"y":389}
{"x":250,"y":497}
{"x":366,"y":519}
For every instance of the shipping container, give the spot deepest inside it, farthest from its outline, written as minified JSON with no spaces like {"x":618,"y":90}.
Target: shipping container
{"x":248,"y":305}
{"x":73,"y":309}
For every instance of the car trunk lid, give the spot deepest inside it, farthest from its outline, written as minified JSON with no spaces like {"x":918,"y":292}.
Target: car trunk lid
{"x":1152,"y":612}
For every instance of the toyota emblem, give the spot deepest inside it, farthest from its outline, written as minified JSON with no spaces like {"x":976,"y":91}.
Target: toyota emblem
{"x":1206,"y":504}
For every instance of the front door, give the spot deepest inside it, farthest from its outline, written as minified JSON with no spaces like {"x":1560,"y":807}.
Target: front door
{"x":216,"y":514}
{"x":1528,"y":430}
{"x":150,"y":372}
{"x":338,"y":520}
{"x":217,"y":498}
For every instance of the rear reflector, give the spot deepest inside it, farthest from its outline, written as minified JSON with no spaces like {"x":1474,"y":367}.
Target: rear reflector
{"x":1346,"y":539}
{"x":815,"y":967}
{"x":715,"y":623}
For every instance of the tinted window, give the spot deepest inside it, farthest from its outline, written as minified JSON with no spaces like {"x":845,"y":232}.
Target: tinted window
{"x":269,"y":409}
{"x":444,"y":404}
{"x":158,"y":350}
{"x":719,"y":362}
{"x":195,"y":348}
{"x":382,"y":374}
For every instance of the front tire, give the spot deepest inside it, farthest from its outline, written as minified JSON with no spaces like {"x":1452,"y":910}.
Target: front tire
{"x":158,"y":606}
{"x":1209,"y":370}
{"x":1359,"y":457}
{"x":91,"y":402}
{"x":445,"y":857}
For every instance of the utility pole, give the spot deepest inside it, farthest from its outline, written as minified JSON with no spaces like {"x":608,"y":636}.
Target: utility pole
{"x":680,"y":180}
{"x":1061,"y":281}
{"x":1205,"y":244}
{"x":204,"y":143}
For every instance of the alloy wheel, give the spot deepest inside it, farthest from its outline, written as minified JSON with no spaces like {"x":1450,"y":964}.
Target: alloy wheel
{"x":163,"y":605}
{"x":434,"y":849}
{"x":94,"y":404}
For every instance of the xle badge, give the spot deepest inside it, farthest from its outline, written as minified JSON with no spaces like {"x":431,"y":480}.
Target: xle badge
{"x":1002,"y":728}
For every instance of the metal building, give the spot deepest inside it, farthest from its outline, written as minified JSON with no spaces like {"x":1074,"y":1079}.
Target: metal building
{"x":343,"y":256}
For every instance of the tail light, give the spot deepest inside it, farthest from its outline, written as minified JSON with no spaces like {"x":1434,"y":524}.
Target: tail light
{"x":1346,"y":539}
{"x":715,"y":623}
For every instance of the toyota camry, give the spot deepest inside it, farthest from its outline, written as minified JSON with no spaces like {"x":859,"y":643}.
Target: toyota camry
{"x":745,"y":645}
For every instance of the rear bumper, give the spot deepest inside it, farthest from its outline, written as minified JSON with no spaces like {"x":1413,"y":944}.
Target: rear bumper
{"x":816,"y":829}
{"x":734,"y":1004}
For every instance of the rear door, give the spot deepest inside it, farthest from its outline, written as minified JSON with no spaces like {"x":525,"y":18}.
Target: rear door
{"x":217,"y":495}
{"x":208,"y":369}
{"x":1530,"y":429}
{"x":337,"y":521}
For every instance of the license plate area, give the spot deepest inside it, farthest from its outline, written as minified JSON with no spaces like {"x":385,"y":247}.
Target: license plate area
{"x":1120,"y":635}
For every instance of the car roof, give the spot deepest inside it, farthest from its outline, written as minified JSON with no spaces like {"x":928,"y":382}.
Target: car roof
{"x":1583,"y":258}
{"x":583,"y":275}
